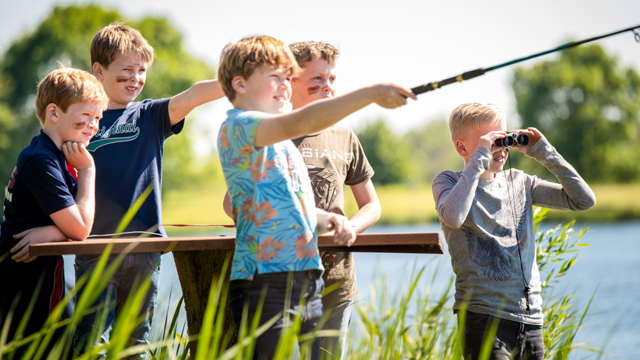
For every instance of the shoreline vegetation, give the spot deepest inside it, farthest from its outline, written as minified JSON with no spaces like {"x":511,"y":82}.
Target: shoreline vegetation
{"x":401,"y":205}
{"x":407,"y":324}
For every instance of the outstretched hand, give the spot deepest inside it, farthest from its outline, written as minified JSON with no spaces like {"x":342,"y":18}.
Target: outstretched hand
{"x":534,"y":136}
{"x":32,"y":236}
{"x":390,"y":96}
{"x":77,"y":155}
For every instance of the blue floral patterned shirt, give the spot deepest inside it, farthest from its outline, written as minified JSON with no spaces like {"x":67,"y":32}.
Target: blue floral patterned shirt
{"x":271,"y":200}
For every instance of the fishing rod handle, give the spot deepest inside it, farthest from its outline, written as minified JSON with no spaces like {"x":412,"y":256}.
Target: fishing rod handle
{"x":438,"y":84}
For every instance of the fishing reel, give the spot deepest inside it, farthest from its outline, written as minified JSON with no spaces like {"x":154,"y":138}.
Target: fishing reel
{"x":512,"y":139}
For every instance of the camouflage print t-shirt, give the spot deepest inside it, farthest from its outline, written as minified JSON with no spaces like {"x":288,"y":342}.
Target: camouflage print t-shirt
{"x":335,"y":157}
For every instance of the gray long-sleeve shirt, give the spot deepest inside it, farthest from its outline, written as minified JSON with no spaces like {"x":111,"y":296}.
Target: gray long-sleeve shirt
{"x":485,"y":222}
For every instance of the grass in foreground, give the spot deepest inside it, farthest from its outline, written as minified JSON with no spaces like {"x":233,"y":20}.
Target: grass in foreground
{"x":393,"y":324}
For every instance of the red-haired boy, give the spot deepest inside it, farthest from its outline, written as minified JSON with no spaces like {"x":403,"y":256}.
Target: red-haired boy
{"x":44,"y":201}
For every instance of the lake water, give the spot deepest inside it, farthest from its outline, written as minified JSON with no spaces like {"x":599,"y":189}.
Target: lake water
{"x":608,"y":270}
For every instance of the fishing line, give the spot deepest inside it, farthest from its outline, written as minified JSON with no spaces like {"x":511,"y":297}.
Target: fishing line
{"x":481,"y":71}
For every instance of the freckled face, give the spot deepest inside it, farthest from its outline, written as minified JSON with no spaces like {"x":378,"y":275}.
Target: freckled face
{"x":123,"y":79}
{"x":315,"y":83}
{"x":79,"y":123}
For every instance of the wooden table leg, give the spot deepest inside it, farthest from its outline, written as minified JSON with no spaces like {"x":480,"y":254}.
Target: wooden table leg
{"x":197,"y":270}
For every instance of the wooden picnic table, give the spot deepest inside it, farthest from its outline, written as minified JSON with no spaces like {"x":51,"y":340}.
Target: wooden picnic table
{"x":200,"y":259}
{"x":417,"y":243}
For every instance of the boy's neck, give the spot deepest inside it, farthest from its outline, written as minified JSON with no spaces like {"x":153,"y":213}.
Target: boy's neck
{"x":117,"y":106}
{"x":242,"y":104}
{"x":487,"y":176}
{"x":50,"y":130}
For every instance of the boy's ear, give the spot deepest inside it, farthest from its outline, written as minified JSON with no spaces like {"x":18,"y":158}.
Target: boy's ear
{"x":96,"y":68}
{"x":238,"y":85}
{"x":51,"y":113}
{"x":460,"y":148}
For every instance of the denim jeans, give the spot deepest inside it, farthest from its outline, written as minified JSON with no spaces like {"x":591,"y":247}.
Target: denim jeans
{"x":306,"y":285}
{"x":134,"y":269}
{"x":513,"y":340}
{"x":339,"y":319}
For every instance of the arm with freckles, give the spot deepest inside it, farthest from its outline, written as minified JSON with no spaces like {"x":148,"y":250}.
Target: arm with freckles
{"x":321,"y":114}
{"x":200,"y":93}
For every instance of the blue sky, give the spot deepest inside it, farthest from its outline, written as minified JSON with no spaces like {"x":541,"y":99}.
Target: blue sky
{"x":407,"y":42}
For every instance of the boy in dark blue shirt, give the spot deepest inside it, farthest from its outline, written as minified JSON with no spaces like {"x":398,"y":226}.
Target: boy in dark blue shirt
{"x":44,"y":201}
{"x":128,"y":151}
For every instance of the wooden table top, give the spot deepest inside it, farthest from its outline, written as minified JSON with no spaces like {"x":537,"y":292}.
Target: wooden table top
{"x":416,"y":243}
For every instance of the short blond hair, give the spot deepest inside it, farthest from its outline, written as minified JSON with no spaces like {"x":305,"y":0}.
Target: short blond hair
{"x":66,"y":86}
{"x":306,"y":51}
{"x":472,"y":115}
{"x":243,"y":57}
{"x":118,"y":39}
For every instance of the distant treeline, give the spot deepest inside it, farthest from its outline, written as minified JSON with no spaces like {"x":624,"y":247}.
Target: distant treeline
{"x":583,"y":101}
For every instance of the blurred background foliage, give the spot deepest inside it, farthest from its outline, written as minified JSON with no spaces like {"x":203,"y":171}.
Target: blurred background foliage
{"x":583,"y":100}
{"x":64,"y":38}
{"x":588,"y":107}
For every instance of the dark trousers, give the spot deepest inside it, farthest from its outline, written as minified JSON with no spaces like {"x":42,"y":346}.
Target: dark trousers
{"x":306,"y":285}
{"x":513,"y":340}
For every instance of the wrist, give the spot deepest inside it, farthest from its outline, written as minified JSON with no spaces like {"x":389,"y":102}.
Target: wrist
{"x":88,"y":170}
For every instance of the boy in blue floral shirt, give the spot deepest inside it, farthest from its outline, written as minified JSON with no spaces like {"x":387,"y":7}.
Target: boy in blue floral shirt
{"x":271,"y":200}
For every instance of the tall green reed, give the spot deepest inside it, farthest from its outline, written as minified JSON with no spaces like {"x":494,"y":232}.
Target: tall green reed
{"x":402,"y":325}
{"x":414,"y":325}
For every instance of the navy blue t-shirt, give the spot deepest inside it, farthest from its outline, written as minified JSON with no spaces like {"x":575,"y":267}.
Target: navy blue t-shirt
{"x":39,"y":186}
{"x":127,"y":151}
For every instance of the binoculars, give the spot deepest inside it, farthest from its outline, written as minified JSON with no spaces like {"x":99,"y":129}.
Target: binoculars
{"x":512,"y":139}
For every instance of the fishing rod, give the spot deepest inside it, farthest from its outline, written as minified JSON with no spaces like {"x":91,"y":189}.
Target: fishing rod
{"x":481,"y":71}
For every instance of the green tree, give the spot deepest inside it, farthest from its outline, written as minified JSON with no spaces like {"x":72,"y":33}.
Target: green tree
{"x":432,"y":151}
{"x":65,"y":36}
{"x":588,"y":107}
{"x":386,"y":152}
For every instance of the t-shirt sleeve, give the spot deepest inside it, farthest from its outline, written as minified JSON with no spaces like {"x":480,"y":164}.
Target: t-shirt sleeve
{"x":359,"y":169}
{"x":45,"y":179}
{"x":238,"y":133}
{"x":158,"y":113}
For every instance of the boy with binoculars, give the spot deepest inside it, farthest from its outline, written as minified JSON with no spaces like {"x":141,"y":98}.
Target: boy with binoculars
{"x":486,"y":215}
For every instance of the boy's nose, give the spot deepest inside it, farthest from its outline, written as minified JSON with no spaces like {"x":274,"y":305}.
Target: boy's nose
{"x":136,"y":78}
{"x":327,"y":87}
